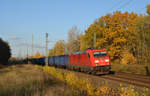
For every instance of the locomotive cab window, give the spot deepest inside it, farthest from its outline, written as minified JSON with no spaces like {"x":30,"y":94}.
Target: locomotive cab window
{"x":99,"y":54}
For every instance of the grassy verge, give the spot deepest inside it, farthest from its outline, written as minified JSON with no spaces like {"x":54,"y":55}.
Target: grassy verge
{"x":85,"y":88}
{"x":29,"y":80}
{"x":135,"y":68}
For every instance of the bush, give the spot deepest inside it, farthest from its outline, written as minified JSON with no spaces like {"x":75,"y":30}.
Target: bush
{"x":133,"y":68}
{"x":4,"y":52}
{"x":128,"y":58}
{"x":85,"y":88}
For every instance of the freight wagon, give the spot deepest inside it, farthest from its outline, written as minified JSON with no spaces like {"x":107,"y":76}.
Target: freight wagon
{"x":90,"y":61}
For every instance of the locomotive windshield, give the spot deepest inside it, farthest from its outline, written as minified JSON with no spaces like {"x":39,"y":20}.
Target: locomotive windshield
{"x":98,"y":54}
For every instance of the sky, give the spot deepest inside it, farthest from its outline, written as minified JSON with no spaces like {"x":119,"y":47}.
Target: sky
{"x":20,"y":20}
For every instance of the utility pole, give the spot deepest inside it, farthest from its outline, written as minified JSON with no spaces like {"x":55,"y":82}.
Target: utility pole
{"x":32,"y":46}
{"x":27,"y":54}
{"x":65,"y":50}
{"x":46,"y":55}
{"x":94,"y":40}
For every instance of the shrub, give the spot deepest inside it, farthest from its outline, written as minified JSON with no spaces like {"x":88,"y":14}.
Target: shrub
{"x":128,"y":58}
{"x":85,"y":87}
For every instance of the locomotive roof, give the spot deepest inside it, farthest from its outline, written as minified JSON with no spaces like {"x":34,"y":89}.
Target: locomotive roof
{"x":82,"y":52}
{"x":79,"y":52}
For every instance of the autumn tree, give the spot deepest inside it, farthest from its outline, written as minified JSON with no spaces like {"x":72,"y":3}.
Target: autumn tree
{"x":58,"y":49}
{"x":115,"y":32}
{"x":37,"y":55}
{"x":4,"y":51}
{"x":147,"y":39}
{"x":73,"y":43}
{"x":148,"y":9}
{"x":143,"y":36}
{"x":51,"y":52}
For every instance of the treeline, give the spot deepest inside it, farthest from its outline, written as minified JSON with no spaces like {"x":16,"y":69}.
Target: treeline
{"x":5,"y":53}
{"x":125,"y":35}
{"x":37,"y":55}
{"x":72,"y":45}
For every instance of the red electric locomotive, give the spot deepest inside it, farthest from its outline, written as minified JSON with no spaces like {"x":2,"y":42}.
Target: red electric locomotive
{"x":91,"y":61}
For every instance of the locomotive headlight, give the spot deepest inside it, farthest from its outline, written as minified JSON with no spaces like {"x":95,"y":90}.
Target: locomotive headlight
{"x":107,"y":60}
{"x":96,"y":61}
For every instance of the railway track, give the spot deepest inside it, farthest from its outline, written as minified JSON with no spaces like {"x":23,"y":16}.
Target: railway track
{"x":124,"y":78}
{"x":133,"y":79}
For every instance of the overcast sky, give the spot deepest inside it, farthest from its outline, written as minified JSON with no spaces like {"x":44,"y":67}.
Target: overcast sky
{"x":19,"y":19}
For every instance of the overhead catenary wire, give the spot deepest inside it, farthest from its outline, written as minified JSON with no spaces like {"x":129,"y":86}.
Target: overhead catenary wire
{"x":120,"y":5}
{"x":114,"y":6}
{"x":125,"y":4}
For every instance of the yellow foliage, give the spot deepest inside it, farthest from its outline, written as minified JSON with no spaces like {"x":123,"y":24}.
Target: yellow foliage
{"x":71,"y":79}
{"x":83,"y":84}
{"x":59,"y":49}
{"x":128,"y":58}
{"x":114,"y":31}
{"x":148,"y":9}
{"x":37,"y":55}
{"x":105,"y":90}
{"x":128,"y":91}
